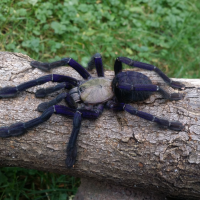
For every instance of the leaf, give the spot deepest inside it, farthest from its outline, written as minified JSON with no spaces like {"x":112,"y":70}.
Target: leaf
{"x":41,"y":15}
{"x":129,"y":51}
{"x":58,"y":27}
{"x":83,"y":8}
{"x":62,"y":196}
{"x":33,"y":2}
{"x":54,"y":46}
{"x":33,"y":43}
{"x":11,"y":46}
{"x":89,"y":32}
{"x":136,"y":9}
{"x":21,"y":12}
{"x":2,"y":18}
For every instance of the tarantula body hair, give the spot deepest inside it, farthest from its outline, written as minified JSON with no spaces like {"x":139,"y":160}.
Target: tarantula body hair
{"x":127,"y":86}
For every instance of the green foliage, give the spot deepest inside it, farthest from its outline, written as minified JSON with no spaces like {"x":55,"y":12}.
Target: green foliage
{"x":162,"y":32}
{"x":19,"y":183}
{"x":165,"y":33}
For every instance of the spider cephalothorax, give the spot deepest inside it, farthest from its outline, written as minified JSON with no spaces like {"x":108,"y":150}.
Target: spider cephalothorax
{"x":94,"y":93}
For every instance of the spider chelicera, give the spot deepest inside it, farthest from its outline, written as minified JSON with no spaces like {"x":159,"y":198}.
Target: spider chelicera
{"x":94,"y":93}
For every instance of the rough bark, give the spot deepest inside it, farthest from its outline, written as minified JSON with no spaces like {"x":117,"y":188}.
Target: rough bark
{"x":117,"y":147}
{"x":98,"y":190}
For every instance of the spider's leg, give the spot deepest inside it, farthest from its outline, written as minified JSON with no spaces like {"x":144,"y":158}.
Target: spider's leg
{"x":69,"y":100}
{"x":8,"y":92}
{"x":117,"y":66}
{"x":47,"y":66}
{"x":99,"y":65}
{"x":96,"y":61}
{"x":132,"y":63}
{"x":71,"y":147}
{"x":21,"y":127}
{"x":152,"y":88}
{"x":173,"y":125}
{"x":65,"y":61}
{"x":43,"y":92}
{"x":79,"y":114}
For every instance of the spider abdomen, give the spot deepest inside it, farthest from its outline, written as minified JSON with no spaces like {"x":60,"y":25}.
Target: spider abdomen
{"x":130,"y":78}
{"x":96,"y":90}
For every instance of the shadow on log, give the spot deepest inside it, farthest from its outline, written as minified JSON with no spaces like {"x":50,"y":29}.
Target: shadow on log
{"x":116,"y":148}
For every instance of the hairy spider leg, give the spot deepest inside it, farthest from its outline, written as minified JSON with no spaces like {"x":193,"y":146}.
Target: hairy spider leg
{"x":173,"y":125}
{"x":99,"y":66}
{"x":71,"y":147}
{"x":65,"y":61}
{"x":151,"y":88}
{"x":8,"y":92}
{"x":21,"y":128}
{"x":132,"y":63}
{"x":43,"y":92}
{"x":96,"y":61}
{"x":68,"y":99}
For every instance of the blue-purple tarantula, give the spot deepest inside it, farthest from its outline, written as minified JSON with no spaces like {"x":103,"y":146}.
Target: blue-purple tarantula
{"x":94,"y":93}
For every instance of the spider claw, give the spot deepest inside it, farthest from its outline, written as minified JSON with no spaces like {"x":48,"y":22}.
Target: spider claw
{"x":13,"y":130}
{"x":41,"y":93}
{"x":43,"y":106}
{"x":178,"y":85}
{"x":4,"y":132}
{"x":8,"y":92}
{"x":71,"y":156}
{"x":40,"y":65}
{"x":69,"y":162}
{"x":176,"y":96}
{"x":176,"y":126}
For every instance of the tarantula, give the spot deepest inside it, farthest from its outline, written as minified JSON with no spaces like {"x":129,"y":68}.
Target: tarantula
{"x":94,"y":93}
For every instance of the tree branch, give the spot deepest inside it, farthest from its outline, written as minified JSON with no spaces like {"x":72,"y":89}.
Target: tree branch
{"x":117,"y":147}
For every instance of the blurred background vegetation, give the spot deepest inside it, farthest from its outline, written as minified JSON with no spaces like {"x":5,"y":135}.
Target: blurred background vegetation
{"x":165,"y":33}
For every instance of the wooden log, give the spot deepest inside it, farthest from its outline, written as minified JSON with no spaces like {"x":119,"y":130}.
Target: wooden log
{"x":118,"y":147}
{"x":101,"y":190}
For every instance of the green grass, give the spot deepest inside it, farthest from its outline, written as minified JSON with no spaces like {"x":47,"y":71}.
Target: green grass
{"x":165,"y":33}
{"x":18,"y":183}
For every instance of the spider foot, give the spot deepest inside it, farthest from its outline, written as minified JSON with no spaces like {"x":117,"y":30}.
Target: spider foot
{"x":8,"y":92}
{"x":41,"y":93}
{"x":43,"y":106}
{"x":4,"y":132}
{"x":13,"y":130}
{"x":176,"y":126}
{"x":71,"y":156}
{"x":40,"y":65}
{"x":176,"y":96}
{"x":178,"y":85}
